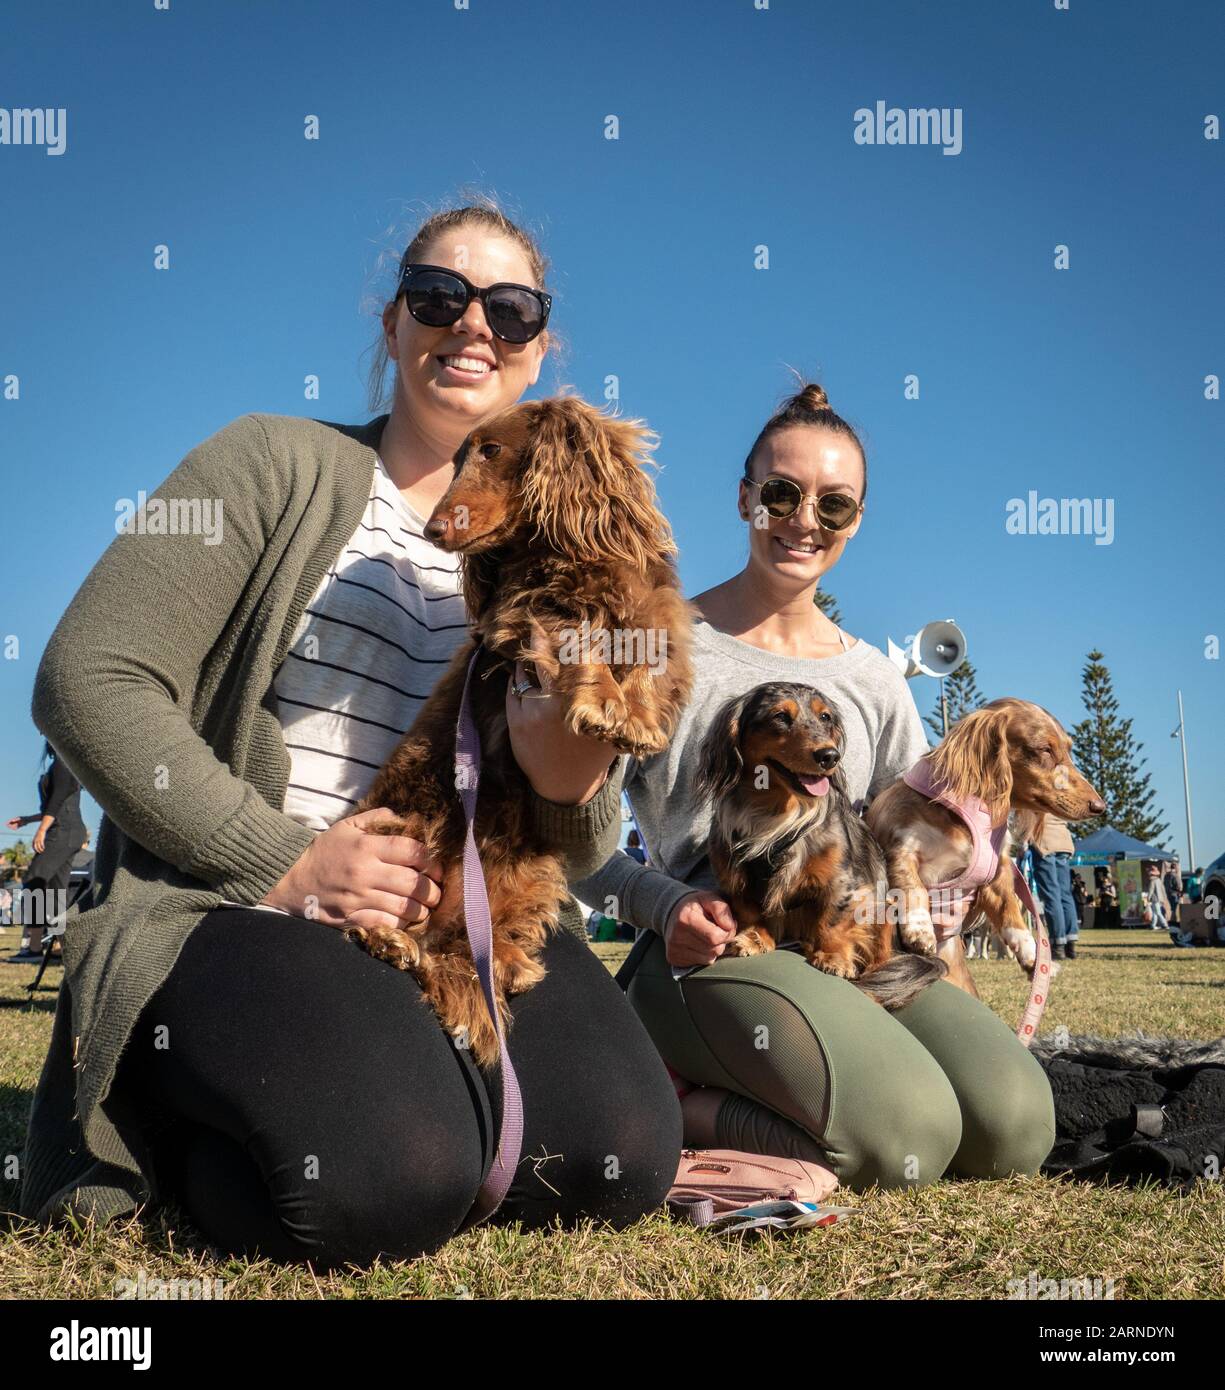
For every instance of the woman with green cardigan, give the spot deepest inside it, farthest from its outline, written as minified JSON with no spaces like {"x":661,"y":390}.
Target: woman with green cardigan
{"x":217,"y":1039}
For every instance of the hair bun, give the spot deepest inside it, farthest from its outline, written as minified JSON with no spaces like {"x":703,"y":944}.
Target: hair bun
{"x":813,"y":396}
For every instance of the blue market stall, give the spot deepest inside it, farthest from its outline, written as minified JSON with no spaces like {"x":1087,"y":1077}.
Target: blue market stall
{"x":1127,"y":858}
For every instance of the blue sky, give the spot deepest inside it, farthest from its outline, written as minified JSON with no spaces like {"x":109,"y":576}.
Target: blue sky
{"x":1082,"y":128}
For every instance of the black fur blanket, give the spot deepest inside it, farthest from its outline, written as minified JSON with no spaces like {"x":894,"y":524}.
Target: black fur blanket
{"x":1136,"y":1108}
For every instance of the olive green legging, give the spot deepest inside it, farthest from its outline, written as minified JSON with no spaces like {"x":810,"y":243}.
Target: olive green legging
{"x":818,"y":1071}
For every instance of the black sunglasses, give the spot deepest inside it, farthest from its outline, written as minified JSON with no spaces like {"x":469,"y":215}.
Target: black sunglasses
{"x":781,"y":497}
{"x":438,"y":297}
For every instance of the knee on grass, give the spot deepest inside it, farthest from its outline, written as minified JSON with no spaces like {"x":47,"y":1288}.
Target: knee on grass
{"x":329,"y":1222}
{"x":1012,"y":1131}
{"x":911,"y":1143}
{"x":618,"y":1179}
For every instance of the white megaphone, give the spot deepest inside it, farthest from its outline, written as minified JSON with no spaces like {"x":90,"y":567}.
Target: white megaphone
{"x":935,"y":650}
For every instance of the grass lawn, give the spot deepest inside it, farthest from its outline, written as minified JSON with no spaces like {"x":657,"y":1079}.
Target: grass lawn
{"x":951,"y":1240}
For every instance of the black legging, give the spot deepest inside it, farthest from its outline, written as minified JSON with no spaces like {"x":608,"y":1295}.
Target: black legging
{"x":308,"y":1105}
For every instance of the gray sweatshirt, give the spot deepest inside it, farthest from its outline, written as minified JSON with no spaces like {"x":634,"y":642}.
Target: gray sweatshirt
{"x":884,"y":737}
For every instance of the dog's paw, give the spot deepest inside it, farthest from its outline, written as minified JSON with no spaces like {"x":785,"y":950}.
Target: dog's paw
{"x":598,"y":715}
{"x":1023,"y":946}
{"x":840,"y":965}
{"x":391,"y":944}
{"x":639,"y":739}
{"x":917,"y":932}
{"x":636,"y":737}
{"x":518,"y":975}
{"x":748,"y":943}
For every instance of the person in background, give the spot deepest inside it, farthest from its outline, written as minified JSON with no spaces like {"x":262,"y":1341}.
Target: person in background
{"x":633,"y":847}
{"x":1170,"y":884}
{"x":1052,"y":859}
{"x":1172,"y":879}
{"x":1191,"y":885}
{"x":1107,"y":897}
{"x":1158,"y":903}
{"x":61,"y":832}
{"x":1079,"y":898}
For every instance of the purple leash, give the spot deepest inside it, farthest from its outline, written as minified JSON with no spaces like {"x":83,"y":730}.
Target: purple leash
{"x":479,"y":926}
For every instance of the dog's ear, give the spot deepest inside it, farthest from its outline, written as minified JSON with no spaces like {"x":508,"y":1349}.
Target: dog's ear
{"x":720,"y":762}
{"x":973,"y":759}
{"x":479,"y":575}
{"x":838,"y":776}
{"x":586,"y":489}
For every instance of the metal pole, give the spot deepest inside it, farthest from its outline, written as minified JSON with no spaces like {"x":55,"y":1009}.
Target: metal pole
{"x":1186,"y":785}
{"x":944,"y":709}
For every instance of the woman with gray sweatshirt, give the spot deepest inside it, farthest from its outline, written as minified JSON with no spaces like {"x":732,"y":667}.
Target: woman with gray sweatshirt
{"x":783,"y":1059}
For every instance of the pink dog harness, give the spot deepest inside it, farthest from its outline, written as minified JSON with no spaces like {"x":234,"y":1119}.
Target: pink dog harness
{"x":951,"y":901}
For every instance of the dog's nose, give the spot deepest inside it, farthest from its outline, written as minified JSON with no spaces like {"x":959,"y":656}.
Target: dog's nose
{"x":826,"y":758}
{"x":436,"y":528}
{"x":1096,"y":806}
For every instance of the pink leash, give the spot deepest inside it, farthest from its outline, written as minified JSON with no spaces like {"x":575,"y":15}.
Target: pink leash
{"x":479,"y":925}
{"x":1041,"y":988}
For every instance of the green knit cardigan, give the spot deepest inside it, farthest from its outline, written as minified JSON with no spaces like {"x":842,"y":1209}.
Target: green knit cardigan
{"x":156,"y":690}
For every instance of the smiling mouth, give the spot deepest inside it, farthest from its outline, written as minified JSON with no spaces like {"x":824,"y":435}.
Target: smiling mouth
{"x":475,"y":367}
{"x":815,"y":785}
{"x":799,"y":547}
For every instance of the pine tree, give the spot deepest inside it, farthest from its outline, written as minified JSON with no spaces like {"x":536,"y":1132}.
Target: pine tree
{"x":963,"y":695}
{"x":828,"y":605}
{"x":1109,"y":756}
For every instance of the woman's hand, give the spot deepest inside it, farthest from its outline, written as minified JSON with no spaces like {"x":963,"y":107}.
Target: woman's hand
{"x":351,"y":878}
{"x":564,"y":767}
{"x":17,"y":822}
{"x":40,"y":839}
{"x":698,"y":928}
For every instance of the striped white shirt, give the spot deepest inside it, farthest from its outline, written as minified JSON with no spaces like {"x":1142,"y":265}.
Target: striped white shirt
{"x":370,"y":646}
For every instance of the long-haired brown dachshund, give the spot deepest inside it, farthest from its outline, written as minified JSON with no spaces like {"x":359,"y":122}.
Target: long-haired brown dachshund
{"x":567,"y":563}
{"x":790,"y":855}
{"x":1008,"y":756}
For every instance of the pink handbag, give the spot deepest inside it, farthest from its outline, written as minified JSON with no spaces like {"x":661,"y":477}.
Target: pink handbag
{"x":710,"y":1181}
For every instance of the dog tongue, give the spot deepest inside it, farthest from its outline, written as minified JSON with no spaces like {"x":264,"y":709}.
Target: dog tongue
{"x":815,"y":786}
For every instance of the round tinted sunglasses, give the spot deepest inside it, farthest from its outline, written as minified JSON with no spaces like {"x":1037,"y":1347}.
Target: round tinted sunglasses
{"x":781,"y":497}
{"x":439,"y":297}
